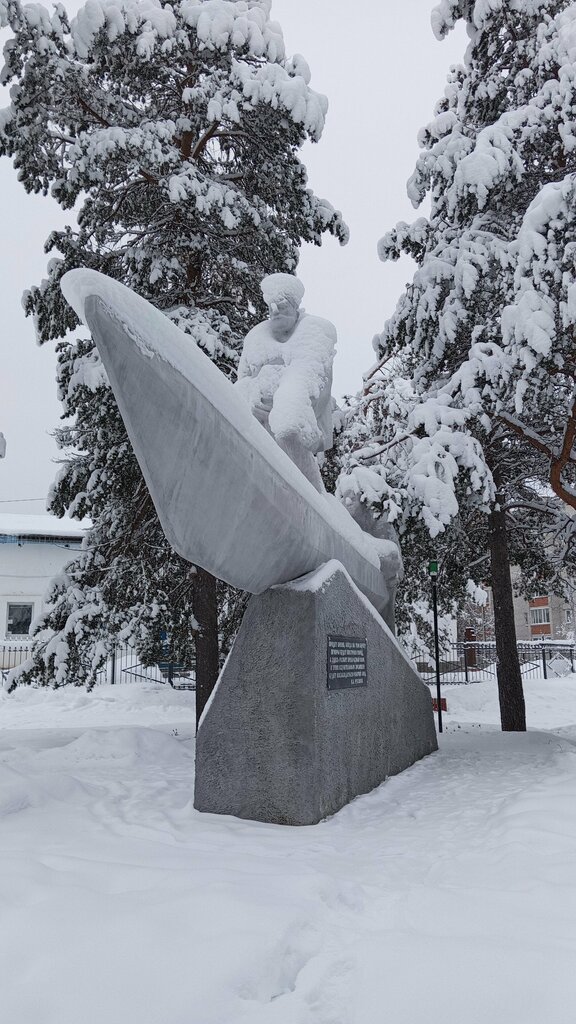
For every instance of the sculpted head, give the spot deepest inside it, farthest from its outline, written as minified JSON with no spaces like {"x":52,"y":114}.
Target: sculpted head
{"x":283,"y":294}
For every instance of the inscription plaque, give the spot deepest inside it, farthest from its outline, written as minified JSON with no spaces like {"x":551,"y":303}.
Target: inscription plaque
{"x":346,"y":662}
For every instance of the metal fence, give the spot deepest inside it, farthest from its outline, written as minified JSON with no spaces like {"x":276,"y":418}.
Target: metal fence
{"x":469,"y":662}
{"x":12,"y":654}
{"x":122,"y":666}
{"x":475,"y":662}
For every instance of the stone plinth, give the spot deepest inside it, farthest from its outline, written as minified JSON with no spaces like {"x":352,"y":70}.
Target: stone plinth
{"x":275,"y":743}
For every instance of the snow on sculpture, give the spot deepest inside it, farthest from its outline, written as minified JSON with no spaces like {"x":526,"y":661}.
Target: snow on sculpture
{"x":285,"y":375}
{"x":228,"y":497}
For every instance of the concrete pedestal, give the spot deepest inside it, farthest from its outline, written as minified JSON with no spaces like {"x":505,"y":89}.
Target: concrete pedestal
{"x":316,"y":704}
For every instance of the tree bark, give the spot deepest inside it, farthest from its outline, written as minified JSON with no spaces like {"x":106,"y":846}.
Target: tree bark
{"x":510,"y":692}
{"x":207,"y":663}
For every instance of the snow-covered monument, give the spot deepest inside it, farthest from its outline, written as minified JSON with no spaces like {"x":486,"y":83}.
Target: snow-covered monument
{"x":317,"y":701}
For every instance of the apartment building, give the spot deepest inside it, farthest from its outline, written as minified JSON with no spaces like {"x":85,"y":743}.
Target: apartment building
{"x":544,"y":617}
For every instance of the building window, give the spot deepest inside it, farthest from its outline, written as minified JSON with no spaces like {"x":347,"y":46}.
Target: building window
{"x":38,"y":538}
{"x":538,"y":616}
{"x":19,"y":619}
{"x":569,"y":616}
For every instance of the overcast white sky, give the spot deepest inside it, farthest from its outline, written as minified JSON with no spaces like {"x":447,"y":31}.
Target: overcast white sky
{"x":382,"y":71}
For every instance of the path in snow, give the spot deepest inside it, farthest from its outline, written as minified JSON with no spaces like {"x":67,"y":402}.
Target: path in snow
{"x":449,"y":892}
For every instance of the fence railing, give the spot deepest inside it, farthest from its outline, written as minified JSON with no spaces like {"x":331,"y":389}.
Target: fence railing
{"x":123,"y":666}
{"x":13,"y":654}
{"x":466,"y":662}
{"x":475,"y":661}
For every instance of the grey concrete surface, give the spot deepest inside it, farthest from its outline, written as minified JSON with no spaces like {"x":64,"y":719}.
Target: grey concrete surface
{"x":275,"y":744}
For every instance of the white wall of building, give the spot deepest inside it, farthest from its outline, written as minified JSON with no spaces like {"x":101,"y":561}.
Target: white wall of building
{"x":33,"y":550}
{"x":25,"y":573}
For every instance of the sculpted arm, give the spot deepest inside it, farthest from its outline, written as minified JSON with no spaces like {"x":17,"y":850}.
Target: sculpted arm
{"x":257,"y":377}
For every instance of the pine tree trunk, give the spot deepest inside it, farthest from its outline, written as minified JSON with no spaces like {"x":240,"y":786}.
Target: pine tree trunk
{"x":510,"y":692}
{"x":206,"y":614}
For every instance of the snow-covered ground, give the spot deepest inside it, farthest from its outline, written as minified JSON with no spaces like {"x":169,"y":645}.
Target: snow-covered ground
{"x":448,"y":895}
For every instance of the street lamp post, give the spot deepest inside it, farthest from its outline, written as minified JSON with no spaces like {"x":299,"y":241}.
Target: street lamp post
{"x":433,"y":571}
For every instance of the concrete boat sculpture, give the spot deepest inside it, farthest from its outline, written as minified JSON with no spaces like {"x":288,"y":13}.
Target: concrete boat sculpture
{"x":228,"y":498}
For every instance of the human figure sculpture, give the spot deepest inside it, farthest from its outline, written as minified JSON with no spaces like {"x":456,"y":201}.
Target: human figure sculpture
{"x":285,"y":375}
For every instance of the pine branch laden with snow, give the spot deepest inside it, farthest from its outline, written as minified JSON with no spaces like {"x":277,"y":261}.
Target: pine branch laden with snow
{"x":174,"y":130}
{"x":539,"y":331}
{"x":177,"y":127}
{"x":445,"y":364}
{"x":485,"y":328}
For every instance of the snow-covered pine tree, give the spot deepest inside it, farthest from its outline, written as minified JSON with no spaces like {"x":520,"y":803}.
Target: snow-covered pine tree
{"x":383,"y":477}
{"x":437,"y":450}
{"x":173,"y":129}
